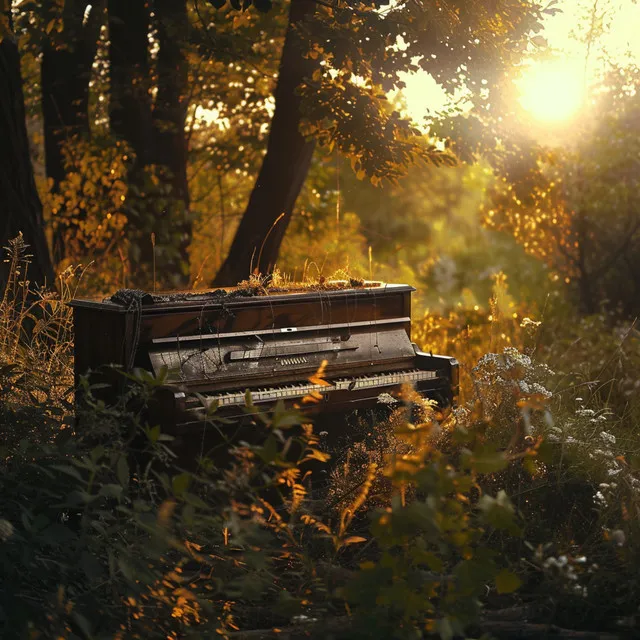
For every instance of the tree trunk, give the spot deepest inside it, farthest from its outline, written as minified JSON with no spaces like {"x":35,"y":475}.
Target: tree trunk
{"x":156,"y":134}
{"x":65,"y":76}
{"x":170,"y":109}
{"x":130,"y":101}
{"x":169,"y":120}
{"x":20,"y":206}
{"x":285,"y":166}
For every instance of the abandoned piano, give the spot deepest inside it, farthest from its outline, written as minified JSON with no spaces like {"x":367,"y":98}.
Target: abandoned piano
{"x":219,"y":344}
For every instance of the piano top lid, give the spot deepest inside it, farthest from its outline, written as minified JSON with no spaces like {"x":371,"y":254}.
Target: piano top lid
{"x":166,"y":302}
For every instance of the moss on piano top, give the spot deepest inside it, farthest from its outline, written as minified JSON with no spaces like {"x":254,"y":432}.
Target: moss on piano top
{"x":246,"y":289}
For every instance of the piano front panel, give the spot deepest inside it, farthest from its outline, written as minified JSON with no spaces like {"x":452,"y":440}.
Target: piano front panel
{"x":231,"y":361}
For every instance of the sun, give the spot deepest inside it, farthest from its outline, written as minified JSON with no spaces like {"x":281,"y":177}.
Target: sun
{"x":553,"y":91}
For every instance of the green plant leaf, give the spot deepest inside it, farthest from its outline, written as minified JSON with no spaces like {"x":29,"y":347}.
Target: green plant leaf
{"x":111,"y":491}
{"x":507,"y":581}
{"x":70,"y":471}
{"x":180,"y":483}
{"x":484,"y":460}
{"x":122,"y":471}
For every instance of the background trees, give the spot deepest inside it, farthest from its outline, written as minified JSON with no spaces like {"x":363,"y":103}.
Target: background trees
{"x":149,"y":75}
{"x":20,"y":206}
{"x":182,"y":134}
{"x":576,"y":206}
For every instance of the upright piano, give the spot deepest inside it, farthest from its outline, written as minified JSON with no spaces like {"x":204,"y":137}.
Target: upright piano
{"x":211,"y":347}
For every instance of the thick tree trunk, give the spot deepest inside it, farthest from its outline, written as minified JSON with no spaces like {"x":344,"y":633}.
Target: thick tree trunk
{"x":20,"y":206}
{"x":65,"y":76}
{"x":169,"y":119}
{"x":156,"y":134}
{"x":130,"y":117}
{"x":170,"y":109}
{"x":257,"y":241}
{"x":130,"y":75}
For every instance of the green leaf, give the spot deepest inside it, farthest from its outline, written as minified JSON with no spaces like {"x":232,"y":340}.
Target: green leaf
{"x":443,"y":625}
{"x":97,"y":453}
{"x":57,"y":534}
{"x":484,"y":460}
{"x":498,"y":512}
{"x":285,"y":419}
{"x":194,"y":500}
{"x":82,"y":623}
{"x":507,"y":581}
{"x":111,"y":491}
{"x":122,"y":471}
{"x":70,"y":471}
{"x":126,"y":569}
{"x":90,"y":565}
{"x":180,"y":483}
{"x":269,"y":451}
{"x":188,"y":514}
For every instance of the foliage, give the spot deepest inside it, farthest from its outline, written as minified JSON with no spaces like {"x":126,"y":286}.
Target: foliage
{"x":105,"y":531}
{"x":421,"y":523}
{"x":573,"y":206}
{"x":86,"y":210}
{"x":110,"y":528}
{"x":366,"y":49}
{"x":35,"y":340}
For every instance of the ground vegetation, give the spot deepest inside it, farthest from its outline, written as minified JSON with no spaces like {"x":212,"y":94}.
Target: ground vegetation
{"x":141,"y":153}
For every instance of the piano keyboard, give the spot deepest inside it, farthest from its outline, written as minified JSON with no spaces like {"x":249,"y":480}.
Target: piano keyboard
{"x":302,"y":389}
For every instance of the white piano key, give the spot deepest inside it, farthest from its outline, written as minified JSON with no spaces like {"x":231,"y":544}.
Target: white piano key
{"x":301,"y":389}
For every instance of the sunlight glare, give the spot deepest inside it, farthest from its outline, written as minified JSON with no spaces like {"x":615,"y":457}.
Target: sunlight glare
{"x":552,"y":91}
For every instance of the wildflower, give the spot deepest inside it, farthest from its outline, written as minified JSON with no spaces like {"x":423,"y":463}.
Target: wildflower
{"x":618,"y":538}
{"x":608,"y":437}
{"x":600,"y":499}
{"x":528,"y":323}
{"x":6,"y":530}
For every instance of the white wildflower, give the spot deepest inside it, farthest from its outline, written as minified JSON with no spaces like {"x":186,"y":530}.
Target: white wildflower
{"x":6,"y":530}
{"x":600,"y":499}
{"x":386,"y":398}
{"x":528,"y":323}
{"x":618,"y":538}
{"x":608,"y":437}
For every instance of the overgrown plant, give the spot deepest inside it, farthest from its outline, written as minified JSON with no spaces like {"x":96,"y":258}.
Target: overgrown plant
{"x":36,"y":370}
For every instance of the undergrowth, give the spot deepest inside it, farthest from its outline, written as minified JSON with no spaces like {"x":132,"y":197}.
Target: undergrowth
{"x":525,"y":497}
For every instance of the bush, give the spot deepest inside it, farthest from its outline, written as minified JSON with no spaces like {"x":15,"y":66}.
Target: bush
{"x":105,"y":533}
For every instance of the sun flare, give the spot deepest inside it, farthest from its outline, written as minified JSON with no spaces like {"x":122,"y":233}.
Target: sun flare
{"x":552,"y":91}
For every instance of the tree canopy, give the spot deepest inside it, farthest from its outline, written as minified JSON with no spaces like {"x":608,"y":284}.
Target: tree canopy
{"x":220,"y":88}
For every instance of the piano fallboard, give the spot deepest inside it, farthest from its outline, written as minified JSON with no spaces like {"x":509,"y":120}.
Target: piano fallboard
{"x":225,"y":361}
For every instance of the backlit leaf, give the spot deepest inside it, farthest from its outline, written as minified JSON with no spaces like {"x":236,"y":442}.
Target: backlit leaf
{"x":507,"y":581}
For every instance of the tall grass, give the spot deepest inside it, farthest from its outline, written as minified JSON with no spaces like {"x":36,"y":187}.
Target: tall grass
{"x":36,"y":348}
{"x":578,"y":498}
